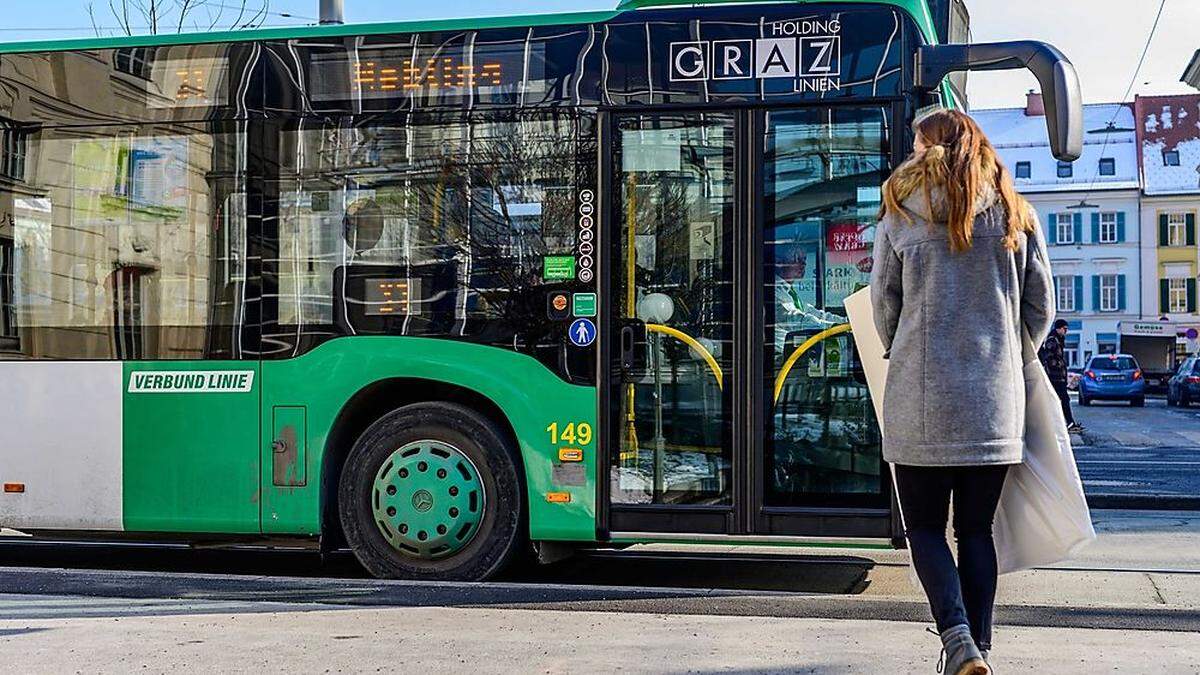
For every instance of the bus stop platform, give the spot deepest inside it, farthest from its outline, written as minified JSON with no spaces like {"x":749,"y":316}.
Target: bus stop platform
{"x":1140,"y":559}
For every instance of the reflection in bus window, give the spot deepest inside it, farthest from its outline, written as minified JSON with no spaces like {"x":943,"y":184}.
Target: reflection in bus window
{"x":463,"y":212}
{"x":823,"y":171}
{"x":8,"y":314}
{"x":122,"y":246}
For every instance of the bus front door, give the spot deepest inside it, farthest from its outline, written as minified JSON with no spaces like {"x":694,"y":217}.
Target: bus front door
{"x":671,"y":278}
{"x":735,"y":403}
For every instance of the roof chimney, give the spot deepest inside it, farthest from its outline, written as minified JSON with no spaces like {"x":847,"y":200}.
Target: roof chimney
{"x":332,"y":12}
{"x":1033,"y":104}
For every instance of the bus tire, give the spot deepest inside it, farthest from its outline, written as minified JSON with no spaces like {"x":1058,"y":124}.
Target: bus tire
{"x":432,"y":491}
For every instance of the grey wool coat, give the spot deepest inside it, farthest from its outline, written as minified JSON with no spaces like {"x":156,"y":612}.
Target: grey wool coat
{"x":951,"y":324}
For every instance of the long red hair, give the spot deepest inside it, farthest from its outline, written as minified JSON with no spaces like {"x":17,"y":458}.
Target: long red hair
{"x":958,"y":160}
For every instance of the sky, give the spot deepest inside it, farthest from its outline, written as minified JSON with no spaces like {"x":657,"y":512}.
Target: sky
{"x":1102,"y":37}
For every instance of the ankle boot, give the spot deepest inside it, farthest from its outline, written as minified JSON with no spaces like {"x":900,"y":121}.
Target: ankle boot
{"x":960,"y":656}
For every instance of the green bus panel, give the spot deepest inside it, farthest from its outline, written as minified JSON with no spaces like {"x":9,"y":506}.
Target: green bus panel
{"x":190,"y":449}
{"x":530,"y":396}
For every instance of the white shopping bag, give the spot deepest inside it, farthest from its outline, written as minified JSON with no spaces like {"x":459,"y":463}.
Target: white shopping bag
{"x":1043,"y":517}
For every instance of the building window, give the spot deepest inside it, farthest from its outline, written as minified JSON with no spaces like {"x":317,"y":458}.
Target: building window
{"x":1065,"y":290}
{"x":1177,"y":296}
{"x":128,"y":294}
{"x":1064,"y":228}
{"x":1108,"y":166}
{"x":12,"y":150}
{"x":1072,"y":353}
{"x":8,"y":309}
{"x":1023,"y":170}
{"x":1176,"y":229}
{"x":1108,"y":228}
{"x":1170,"y":158}
{"x":1065,"y":170}
{"x":134,"y":61}
{"x":1110,"y":300}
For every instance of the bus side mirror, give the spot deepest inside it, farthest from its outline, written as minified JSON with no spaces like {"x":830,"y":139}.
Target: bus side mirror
{"x":1054,"y":72}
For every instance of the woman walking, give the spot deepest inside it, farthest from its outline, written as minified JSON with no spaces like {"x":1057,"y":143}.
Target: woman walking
{"x":960,"y":271}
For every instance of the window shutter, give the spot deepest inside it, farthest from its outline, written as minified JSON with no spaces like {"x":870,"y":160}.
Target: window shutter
{"x":1096,"y":228}
{"x":1120,"y":227}
{"x":1077,"y":221}
{"x":1078,"y":294}
{"x":1190,"y":228}
{"x":1052,"y":228}
{"x":1164,"y":296}
{"x":1191,"y":295}
{"x":1095,"y":293}
{"x":1163,"y":237}
{"x":1121,"y":292}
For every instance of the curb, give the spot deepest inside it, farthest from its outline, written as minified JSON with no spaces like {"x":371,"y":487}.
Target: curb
{"x":269,"y":594}
{"x":1143,"y":502}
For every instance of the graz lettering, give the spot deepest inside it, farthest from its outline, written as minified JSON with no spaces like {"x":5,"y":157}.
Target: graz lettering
{"x":814,"y":59}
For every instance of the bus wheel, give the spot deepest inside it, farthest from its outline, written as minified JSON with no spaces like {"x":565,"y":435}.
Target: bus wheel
{"x":431,"y":491}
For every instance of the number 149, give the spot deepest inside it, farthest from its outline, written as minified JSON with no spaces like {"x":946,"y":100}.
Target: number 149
{"x":575,"y":433}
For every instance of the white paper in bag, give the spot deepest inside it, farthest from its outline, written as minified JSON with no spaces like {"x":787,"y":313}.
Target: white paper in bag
{"x":870,"y":345}
{"x":1043,"y":517}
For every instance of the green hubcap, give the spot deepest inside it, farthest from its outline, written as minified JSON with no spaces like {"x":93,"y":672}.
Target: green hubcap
{"x":427,"y":499}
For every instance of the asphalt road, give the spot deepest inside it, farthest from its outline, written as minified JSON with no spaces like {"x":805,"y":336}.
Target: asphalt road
{"x":1139,"y":457}
{"x":1118,"y":424}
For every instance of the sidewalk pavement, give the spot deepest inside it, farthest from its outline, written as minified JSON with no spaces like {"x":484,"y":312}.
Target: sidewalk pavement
{"x":456,"y":640}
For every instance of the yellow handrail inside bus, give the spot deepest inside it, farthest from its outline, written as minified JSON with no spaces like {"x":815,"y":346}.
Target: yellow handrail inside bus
{"x":694,"y":344}
{"x":808,"y":344}
{"x":630,"y":450}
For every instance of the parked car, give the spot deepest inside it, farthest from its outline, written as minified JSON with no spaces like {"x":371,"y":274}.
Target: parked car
{"x":1184,"y":385}
{"x":1073,"y":376}
{"x":1112,"y":377}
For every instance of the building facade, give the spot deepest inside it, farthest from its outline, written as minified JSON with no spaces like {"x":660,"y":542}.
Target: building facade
{"x":1089,"y":210}
{"x":1168,"y":129}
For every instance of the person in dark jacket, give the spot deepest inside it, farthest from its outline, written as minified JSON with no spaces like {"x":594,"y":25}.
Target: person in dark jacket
{"x":1054,"y":360}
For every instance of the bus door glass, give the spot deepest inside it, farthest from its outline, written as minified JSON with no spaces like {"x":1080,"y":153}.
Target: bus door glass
{"x":822,"y":172}
{"x":672,"y":279}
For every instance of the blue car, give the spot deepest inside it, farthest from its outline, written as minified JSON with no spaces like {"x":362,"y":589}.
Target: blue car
{"x":1184,"y":386}
{"x":1112,"y":377}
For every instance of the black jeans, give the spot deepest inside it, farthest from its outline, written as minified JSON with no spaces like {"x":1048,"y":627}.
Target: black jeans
{"x":962,"y":595}
{"x":1064,"y":397}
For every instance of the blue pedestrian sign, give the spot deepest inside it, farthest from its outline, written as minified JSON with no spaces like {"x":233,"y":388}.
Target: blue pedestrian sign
{"x":582,"y":332}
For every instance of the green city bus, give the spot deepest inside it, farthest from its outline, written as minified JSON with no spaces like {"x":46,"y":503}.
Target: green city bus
{"x":453,"y":294}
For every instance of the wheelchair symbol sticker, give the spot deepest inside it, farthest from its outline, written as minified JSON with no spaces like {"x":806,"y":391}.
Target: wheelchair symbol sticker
{"x":582,"y":332}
